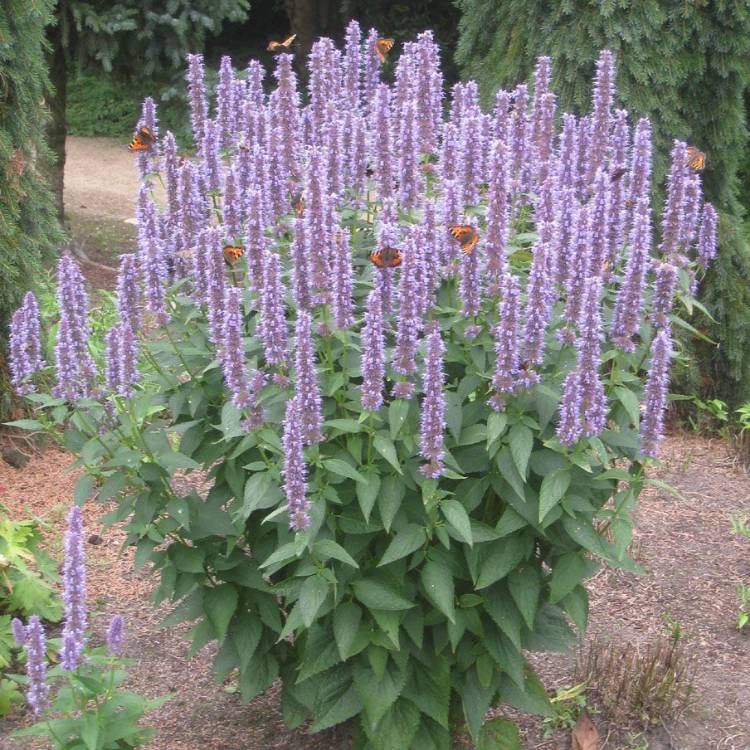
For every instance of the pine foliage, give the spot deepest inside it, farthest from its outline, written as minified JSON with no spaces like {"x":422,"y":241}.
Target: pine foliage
{"x":686,"y":66}
{"x":28,"y":223}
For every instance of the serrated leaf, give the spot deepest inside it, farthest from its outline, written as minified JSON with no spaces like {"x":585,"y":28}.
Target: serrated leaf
{"x":311,"y":596}
{"x":458,"y":518}
{"x":407,"y":540}
{"x":343,"y":469}
{"x":392,"y":492}
{"x":329,"y":548}
{"x":219,"y":604}
{"x":521,"y":440}
{"x":335,"y":702}
{"x":386,"y":448}
{"x":260,"y":492}
{"x":630,"y":401}
{"x":376,"y":594}
{"x":397,"y":413}
{"x":397,"y":727}
{"x":346,"y":619}
{"x":367,"y":493}
{"x":378,"y":694}
{"x":499,"y":734}
{"x":496,"y":424}
{"x":554,"y":486}
{"x":437,"y":581}
{"x":430,"y":690}
{"x":345,"y":425}
{"x":525,"y":587}
{"x":504,"y":557}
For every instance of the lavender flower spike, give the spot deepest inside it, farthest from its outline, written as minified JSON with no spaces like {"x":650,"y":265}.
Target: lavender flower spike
{"x":295,"y":472}
{"x":433,"y":406}
{"x":342,"y":280}
{"x":74,"y":592}
{"x":114,"y":635}
{"x":707,"y":242}
{"x":272,"y":328}
{"x":19,"y":632}
{"x":128,"y":292}
{"x":36,"y":666}
{"x":25,"y":345}
{"x":373,"y":352}
{"x":652,"y":421}
{"x":233,"y":352}
{"x":506,"y":342}
{"x":308,"y":393}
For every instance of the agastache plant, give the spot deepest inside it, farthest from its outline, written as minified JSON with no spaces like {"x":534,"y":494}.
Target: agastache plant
{"x":359,"y":447}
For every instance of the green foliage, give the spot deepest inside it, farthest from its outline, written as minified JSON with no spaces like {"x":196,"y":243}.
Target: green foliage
{"x":405,"y":593}
{"x":27,"y":572}
{"x":740,"y":526}
{"x":28,"y":226}
{"x":567,"y":703}
{"x":686,"y":67}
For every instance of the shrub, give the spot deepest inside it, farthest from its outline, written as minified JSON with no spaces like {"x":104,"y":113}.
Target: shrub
{"x":388,"y":513}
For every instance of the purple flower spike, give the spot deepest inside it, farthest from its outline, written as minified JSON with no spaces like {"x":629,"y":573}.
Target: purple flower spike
{"x":295,"y":471}
{"x":579,"y":266}
{"x":196,"y":78}
{"x":352,"y":71}
{"x":599,"y":218}
{"x":342,"y":281}
{"x":272,"y":327}
{"x":538,"y":306}
{"x":25,"y":345}
{"x":225,"y":105}
{"x":432,"y":424}
{"x":504,"y":381}
{"x":215,"y":282}
{"x":371,"y":71}
{"x":707,"y":237}
{"x":657,"y":385}
{"x":211,"y":168}
{"x":114,"y":635}
{"x":501,"y":118}
{"x":255,"y":76}
{"x":470,"y":284}
{"x":619,"y":149}
{"x":627,"y":312}
{"x":409,"y":173}
{"x":300,"y":267}
{"x":19,"y":632}
{"x":409,"y":314}
{"x":308,"y":392}
{"x":381,"y":142}
{"x":74,"y":592}
{"x":286,"y":116}
{"x":604,"y":94}
{"x":232,"y":206}
{"x":232,"y":356}
{"x":128,"y":293}
{"x":674,"y":207}
{"x":37,"y":693}
{"x":148,"y":160}
{"x":665,"y":283}
{"x":497,"y":215}
{"x":373,"y":352}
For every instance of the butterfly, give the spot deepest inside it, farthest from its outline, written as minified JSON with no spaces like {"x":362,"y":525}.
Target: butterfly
{"x":695,"y":159}
{"x":382,"y":47}
{"x":299,"y":204}
{"x":232,"y":253}
{"x":617,"y":173}
{"x":281,"y":46}
{"x":388,"y":257}
{"x":143,"y":139}
{"x":466,"y":235}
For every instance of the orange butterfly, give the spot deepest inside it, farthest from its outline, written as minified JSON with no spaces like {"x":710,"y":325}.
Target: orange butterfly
{"x":232,"y":253}
{"x":695,"y":159}
{"x":466,"y":235}
{"x":143,"y":139}
{"x":299,"y":204}
{"x":383,"y":47}
{"x":276,"y":47}
{"x":388,"y":257}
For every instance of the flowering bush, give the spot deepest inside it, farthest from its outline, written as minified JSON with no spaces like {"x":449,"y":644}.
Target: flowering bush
{"x":90,"y":710}
{"x":376,"y":455}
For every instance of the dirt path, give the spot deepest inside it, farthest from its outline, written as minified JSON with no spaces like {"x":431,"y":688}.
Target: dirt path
{"x":692,"y":561}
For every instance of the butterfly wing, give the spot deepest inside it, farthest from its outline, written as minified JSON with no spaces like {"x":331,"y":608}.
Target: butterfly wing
{"x":146,"y":135}
{"x":382,"y":47}
{"x":470,"y":244}
{"x":232,"y":253}
{"x":287,"y":43}
{"x":461,"y":232}
{"x":388,"y":257}
{"x":696,"y":159}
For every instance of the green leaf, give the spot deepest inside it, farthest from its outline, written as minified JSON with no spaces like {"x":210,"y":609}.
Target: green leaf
{"x":437,"y":581}
{"x":521,"y":440}
{"x":378,"y":694}
{"x":329,"y":548}
{"x":554,"y":486}
{"x":174,"y":460}
{"x":187,"y":559}
{"x":84,"y":488}
{"x":260,"y":492}
{"x":90,"y":729}
{"x":505,"y":555}
{"x":219,"y":604}
{"x":335,"y":701}
{"x":311,"y":596}
{"x":346,"y":619}
{"x":367,"y":493}
{"x":499,"y":734}
{"x":430,"y":690}
{"x":532,"y":698}
{"x":392,"y":492}
{"x":476,"y":700}
{"x":397,"y":727}
{"x":407,"y":540}
{"x":343,"y":469}
{"x":567,"y":572}
{"x":26,"y":424}
{"x":496,"y":424}
{"x":387,"y":450}
{"x":458,"y":518}
{"x":397,"y":412}
{"x":345,"y":425}
{"x":284,"y":553}
{"x":630,"y":401}
{"x":525,"y":587}
{"x":376,"y":594}
{"x":454,"y":414}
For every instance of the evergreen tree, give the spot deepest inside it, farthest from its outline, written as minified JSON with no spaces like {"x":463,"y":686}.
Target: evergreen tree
{"x":28,"y":224}
{"x":686,"y":66}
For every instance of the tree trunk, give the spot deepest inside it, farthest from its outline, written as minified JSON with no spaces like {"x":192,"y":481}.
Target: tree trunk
{"x":56,"y":99}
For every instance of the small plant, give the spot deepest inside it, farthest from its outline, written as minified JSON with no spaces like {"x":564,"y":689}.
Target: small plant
{"x":711,"y":415}
{"x":638,"y":684}
{"x":89,"y":708}
{"x":743,"y":615}
{"x":567,"y":705}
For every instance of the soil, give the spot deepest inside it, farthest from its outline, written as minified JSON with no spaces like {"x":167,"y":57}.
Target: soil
{"x":692,"y":565}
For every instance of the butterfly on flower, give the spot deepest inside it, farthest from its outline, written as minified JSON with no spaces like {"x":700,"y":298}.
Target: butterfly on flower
{"x":143,"y":139}
{"x":298,"y":204}
{"x":232,"y":253}
{"x":695,"y":159}
{"x":383,"y":47}
{"x":284,"y":46}
{"x":466,"y":235}
{"x":388,"y":257}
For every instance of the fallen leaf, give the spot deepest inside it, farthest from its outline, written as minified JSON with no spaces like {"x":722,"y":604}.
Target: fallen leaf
{"x":585,"y":736}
